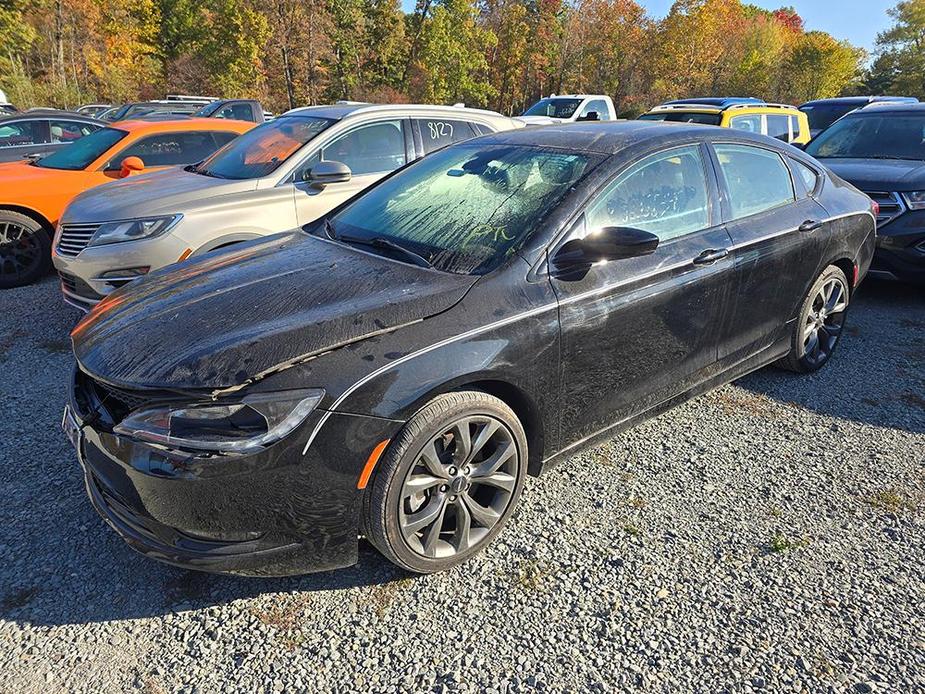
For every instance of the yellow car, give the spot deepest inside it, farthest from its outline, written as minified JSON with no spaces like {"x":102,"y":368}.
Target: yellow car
{"x":784,"y":122}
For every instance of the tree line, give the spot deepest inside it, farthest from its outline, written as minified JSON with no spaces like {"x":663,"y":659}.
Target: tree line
{"x":501,"y":54}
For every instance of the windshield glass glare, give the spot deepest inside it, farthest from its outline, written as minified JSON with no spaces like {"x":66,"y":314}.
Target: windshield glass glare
{"x":887,"y":136}
{"x":83,"y":152}
{"x":466,"y":208}
{"x":259,"y":152}
{"x":554,"y":108}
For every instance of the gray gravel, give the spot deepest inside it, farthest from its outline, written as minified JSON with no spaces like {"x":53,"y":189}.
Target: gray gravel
{"x":769,"y":535}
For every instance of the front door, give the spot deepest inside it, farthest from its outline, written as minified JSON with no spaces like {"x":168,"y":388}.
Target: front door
{"x":371,"y":151}
{"x":636,"y":332}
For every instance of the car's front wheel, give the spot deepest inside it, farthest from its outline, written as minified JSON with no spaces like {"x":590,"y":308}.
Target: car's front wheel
{"x":821,"y":322}
{"x":25,"y":250}
{"x":447,"y":483}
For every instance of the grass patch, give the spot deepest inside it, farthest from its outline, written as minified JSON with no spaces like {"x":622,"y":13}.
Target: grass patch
{"x":532,"y":575}
{"x":631,"y":529}
{"x":891,"y":501}
{"x":779,"y":543}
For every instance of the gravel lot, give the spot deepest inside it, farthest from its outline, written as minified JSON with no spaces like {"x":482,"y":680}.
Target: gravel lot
{"x":769,"y":535}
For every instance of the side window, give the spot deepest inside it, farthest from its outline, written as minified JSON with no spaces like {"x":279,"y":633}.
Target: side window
{"x":599,"y":107}
{"x":22,"y":133}
{"x":436,"y":132}
{"x":665,"y":194}
{"x":757,"y":179}
{"x":168,"y":149}
{"x":374,"y":148}
{"x":68,"y":131}
{"x":222,"y":138}
{"x":751,"y":124}
{"x":236,"y":112}
{"x":794,"y":127}
{"x":779,"y":127}
{"x":809,"y":176}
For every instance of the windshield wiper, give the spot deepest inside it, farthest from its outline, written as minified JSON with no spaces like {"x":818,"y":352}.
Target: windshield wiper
{"x":377,"y":242}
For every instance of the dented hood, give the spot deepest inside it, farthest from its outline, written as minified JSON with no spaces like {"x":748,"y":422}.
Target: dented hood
{"x":231,"y":317}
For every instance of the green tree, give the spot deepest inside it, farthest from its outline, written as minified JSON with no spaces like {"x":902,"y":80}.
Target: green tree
{"x":901,"y":51}
{"x":820,"y":67}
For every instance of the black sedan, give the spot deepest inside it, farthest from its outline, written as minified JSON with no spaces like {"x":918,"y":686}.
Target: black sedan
{"x":23,"y":135}
{"x":396,"y":369}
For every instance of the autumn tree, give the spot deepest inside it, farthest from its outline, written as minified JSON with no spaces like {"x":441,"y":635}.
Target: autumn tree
{"x":900,"y":64}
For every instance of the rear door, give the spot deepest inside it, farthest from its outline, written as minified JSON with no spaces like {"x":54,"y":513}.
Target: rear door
{"x":20,"y":138}
{"x":636,"y":332}
{"x":776,"y":243}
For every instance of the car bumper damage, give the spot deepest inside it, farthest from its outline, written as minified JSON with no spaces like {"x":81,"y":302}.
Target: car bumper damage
{"x":226,"y":514}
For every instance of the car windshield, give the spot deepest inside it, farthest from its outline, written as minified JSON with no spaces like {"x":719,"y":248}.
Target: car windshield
{"x":554,"y":108}
{"x":464,"y":209}
{"x":883,"y":136}
{"x":683,"y":117}
{"x":821,"y":116}
{"x":262,"y":150}
{"x":83,"y":152}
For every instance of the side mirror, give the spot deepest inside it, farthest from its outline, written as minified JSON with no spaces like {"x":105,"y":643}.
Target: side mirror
{"x":131,"y":165}
{"x":574,"y":258}
{"x":326,"y":172}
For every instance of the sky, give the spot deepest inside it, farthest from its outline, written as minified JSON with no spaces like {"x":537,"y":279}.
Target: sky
{"x":859,"y":21}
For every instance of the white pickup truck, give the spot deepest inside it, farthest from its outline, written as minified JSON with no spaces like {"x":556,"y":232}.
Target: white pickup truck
{"x":569,"y":108}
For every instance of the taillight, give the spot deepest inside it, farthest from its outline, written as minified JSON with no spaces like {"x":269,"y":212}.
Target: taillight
{"x":875,"y":207}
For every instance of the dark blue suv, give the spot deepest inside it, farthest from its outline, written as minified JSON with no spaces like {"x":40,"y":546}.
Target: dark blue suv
{"x":880,"y":149}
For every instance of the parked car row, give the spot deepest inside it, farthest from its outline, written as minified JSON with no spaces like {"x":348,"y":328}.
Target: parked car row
{"x":363,"y":320}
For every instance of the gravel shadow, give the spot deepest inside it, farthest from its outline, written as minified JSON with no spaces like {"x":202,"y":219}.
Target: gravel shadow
{"x":877,"y":376}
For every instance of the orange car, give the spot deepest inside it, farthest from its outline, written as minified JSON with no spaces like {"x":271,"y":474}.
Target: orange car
{"x":34,"y":193}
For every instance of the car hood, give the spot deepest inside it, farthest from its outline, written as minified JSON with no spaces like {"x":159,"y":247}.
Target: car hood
{"x":237,"y":315}
{"x":880,"y":174}
{"x":541,"y":120}
{"x":161,"y":192}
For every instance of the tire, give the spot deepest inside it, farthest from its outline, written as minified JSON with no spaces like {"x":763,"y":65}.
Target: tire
{"x":423,"y":475}
{"x":821,"y":322}
{"x":25,"y":250}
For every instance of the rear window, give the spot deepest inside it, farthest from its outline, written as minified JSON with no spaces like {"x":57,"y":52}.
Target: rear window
{"x":683,"y":117}
{"x":437,"y":132}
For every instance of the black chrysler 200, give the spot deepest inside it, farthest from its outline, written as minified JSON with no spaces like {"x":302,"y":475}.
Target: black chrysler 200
{"x":396,"y":369}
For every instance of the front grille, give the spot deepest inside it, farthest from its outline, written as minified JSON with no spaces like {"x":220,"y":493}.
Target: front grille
{"x":118,"y":402}
{"x":77,"y":287}
{"x":891,"y":206}
{"x":75,"y":237}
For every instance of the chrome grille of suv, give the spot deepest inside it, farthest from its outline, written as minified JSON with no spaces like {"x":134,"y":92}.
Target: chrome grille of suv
{"x":75,"y":237}
{"x":891,"y":206}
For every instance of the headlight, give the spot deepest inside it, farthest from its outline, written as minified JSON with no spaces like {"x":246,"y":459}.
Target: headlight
{"x":133,"y":229}
{"x":243,"y":427}
{"x":915,"y":200}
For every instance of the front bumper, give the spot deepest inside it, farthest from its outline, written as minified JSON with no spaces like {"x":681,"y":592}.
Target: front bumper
{"x":82,"y":281}
{"x":900,"y":251}
{"x":274,"y":513}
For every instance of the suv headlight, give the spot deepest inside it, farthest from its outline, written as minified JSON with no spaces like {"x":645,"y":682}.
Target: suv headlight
{"x":133,"y":229}
{"x":243,"y":427}
{"x":915,"y":200}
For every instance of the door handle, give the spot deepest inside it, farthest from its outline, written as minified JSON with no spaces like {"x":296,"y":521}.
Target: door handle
{"x":711,"y":256}
{"x":810,"y":225}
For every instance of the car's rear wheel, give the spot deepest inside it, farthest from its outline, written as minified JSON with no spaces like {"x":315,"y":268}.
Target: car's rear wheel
{"x":821,"y":322}
{"x":25,"y":250}
{"x":447,"y":483}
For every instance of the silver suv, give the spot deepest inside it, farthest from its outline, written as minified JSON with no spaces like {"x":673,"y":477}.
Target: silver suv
{"x":276,"y":177}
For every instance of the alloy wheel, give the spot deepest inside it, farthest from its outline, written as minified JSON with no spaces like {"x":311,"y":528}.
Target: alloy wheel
{"x":459,"y":487}
{"x":824,"y":321}
{"x":20,"y":250}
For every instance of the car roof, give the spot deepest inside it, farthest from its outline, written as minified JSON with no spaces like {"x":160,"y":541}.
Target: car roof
{"x":890,"y":107}
{"x":610,"y":137}
{"x":45,"y":113}
{"x":719,"y":101}
{"x":859,"y":100}
{"x":343,"y":110}
{"x":179,"y":124}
